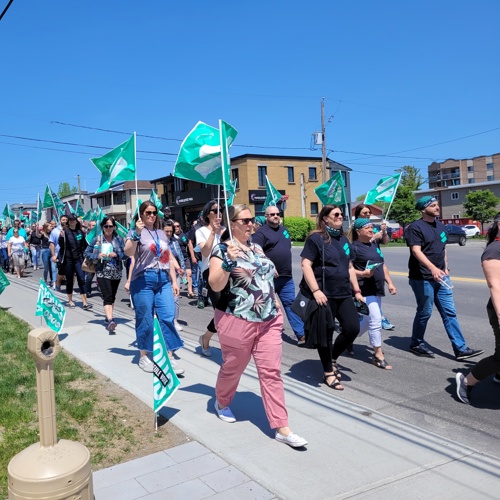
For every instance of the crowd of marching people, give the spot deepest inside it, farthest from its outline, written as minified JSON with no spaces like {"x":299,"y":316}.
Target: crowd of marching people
{"x":241,"y":266}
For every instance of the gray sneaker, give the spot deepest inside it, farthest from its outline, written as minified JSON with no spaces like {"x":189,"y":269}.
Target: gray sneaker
{"x":463,"y":390}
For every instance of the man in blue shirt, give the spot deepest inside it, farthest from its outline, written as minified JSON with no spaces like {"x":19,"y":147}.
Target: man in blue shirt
{"x":277,"y":245}
{"x":430,"y":281}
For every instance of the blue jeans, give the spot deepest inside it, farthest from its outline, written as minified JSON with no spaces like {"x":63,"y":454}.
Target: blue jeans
{"x":285,"y":288}
{"x":4,"y":259}
{"x":36,"y":253}
{"x":152,"y":293}
{"x":428,"y":292}
{"x":194,"y":275}
{"x":47,"y":267}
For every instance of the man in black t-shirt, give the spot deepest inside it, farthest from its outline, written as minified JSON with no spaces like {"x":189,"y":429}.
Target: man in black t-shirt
{"x":277,"y":245}
{"x":430,"y":281}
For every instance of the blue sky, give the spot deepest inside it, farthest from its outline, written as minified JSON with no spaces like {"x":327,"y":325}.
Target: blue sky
{"x":405,"y":83}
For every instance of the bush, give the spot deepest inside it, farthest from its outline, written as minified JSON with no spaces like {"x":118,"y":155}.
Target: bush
{"x":298,"y":227}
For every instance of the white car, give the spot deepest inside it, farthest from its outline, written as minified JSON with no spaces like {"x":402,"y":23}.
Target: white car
{"x":471,"y":230}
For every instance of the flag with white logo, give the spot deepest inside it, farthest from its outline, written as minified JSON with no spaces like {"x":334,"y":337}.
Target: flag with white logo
{"x":118,"y":165}
{"x":332,"y":191}
{"x":50,"y":307}
{"x":165,"y":381}
{"x":272,"y":195}
{"x":199,"y":156}
{"x":384,"y":191}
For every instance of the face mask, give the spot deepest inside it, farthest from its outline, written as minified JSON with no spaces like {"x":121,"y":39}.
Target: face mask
{"x":333,"y":232}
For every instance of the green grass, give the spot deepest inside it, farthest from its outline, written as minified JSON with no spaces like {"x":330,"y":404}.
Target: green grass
{"x":79,"y":415}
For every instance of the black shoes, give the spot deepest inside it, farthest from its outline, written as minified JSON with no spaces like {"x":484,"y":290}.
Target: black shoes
{"x":421,"y":350}
{"x":468,"y":353}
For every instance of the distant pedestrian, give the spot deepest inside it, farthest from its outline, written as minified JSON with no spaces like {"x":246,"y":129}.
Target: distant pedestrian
{"x":45,"y":245}
{"x":17,"y":247}
{"x":4,"y":254}
{"x":35,"y":246}
{"x":430,"y":280}
{"x":275,"y":240}
{"x":490,"y":261}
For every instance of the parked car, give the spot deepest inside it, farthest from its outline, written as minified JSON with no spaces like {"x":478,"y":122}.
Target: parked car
{"x":456,"y":234}
{"x":471,"y":230}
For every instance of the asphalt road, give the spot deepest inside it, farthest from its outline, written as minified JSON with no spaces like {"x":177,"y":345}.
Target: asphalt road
{"x":418,"y":391}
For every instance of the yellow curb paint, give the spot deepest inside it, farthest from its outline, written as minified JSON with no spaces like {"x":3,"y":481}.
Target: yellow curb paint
{"x":453,"y":278}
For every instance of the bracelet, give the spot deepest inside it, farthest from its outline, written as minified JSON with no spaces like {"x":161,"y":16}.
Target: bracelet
{"x":357,"y":291}
{"x":314,"y":291}
{"x":228,"y":267}
{"x":135,"y":236}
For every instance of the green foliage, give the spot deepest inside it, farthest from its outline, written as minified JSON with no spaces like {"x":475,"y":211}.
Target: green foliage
{"x":403,"y":208}
{"x":361,"y":197}
{"x":480,"y":205}
{"x":298,"y":227}
{"x":65,"y":189}
{"x":410,"y":177}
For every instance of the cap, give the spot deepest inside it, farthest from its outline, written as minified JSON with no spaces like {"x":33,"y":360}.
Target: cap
{"x":424,"y":202}
{"x":361,"y":223}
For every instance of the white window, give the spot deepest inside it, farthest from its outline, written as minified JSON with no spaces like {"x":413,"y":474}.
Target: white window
{"x":454,"y":196}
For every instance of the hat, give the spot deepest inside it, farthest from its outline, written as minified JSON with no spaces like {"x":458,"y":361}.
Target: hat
{"x":71,"y":217}
{"x":424,"y":202}
{"x":361,"y":223}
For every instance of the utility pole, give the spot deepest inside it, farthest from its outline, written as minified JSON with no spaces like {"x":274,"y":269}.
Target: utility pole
{"x":79,"y":191}
{"x":323,"y":142}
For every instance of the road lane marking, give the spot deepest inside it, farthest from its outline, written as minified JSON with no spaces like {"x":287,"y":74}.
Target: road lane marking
{"x":453,"y":278}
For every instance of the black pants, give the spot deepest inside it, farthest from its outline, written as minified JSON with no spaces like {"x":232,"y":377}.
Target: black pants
{"x":108,"y":290}
{"x":214,"y":298}
{"x":345,"y":312}
{"x":491,"y":364}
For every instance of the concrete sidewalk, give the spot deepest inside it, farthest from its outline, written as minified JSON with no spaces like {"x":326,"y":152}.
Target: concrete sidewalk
{"x":352,"y":451}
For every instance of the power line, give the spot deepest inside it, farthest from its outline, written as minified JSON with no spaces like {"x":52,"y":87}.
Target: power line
{"x":6,"y":9}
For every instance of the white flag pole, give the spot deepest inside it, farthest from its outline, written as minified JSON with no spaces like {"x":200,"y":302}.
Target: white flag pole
{"x":223,"y":144}
{"x":390,"y":204}
{"x":135,"y":165}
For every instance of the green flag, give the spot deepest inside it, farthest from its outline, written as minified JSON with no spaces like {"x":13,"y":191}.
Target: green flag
{"x":227,"y":135}
{"x":38,"y":209}
{"x":199,"y":156}
{"x":153,"y":197}
{"x":50,"y":307}
{"x":48,"y":201}
{"x":273,"y":195}
{"x":4,"y":282}
{"x":88,"y":216}
{"x":384,"y":191}
{"x":117,"y":166}
{"x":70,"y":208}
{"x":231,"y":191}
{"x":132,"y":221}
{"x":332,"y":191}
{"x":121,"y":230}
{"x":33,"y":218}
{"x":94,"y":233}
{"x":165,"y":381}
{"x":7,"y":211}
{"x":79,"y":209}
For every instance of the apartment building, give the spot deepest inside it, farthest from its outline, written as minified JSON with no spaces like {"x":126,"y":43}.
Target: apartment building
{"x":452,"y":172}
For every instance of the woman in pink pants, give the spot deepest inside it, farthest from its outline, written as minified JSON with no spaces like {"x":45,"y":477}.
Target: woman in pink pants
{"x":249,"y":323}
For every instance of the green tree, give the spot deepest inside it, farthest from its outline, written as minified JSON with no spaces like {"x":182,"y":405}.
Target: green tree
{"x":410,"y":177}
{"x":65,"y":189}
{"x":403,"y":207}
{"x":361,"y":197}
{"x":480,"y":205}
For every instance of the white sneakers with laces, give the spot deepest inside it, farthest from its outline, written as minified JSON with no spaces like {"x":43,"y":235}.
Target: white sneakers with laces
{"x":146,"y":364}
{"x":292,"y":440}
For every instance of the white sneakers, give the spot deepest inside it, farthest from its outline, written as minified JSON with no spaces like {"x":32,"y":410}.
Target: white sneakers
{"x":224,"y":414}
{"x":291,"y":440}
{"x":178,"y":370}
{"x":146,"y":364}
{"x":178,"y":327}
{"x":206,"y":352}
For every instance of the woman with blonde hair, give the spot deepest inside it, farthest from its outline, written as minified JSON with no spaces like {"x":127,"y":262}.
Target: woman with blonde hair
{"x":249,"y":322}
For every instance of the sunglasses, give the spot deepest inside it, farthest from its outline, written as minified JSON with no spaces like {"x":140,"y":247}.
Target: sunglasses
{"x":247,"y":221}
{"x":273,"y":215}
{"x":147,"y":212}
{"x":176,"y":225}
{"x":337,"y":214}
{"x":107,"y":227}
{"x":214,"y":211}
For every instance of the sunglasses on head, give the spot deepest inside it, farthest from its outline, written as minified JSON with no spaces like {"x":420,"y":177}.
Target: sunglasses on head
{"x":247,"y":220}
{"x":148,"y":212}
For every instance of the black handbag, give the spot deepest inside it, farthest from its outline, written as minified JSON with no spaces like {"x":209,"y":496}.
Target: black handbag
{"x":361,"y":307}
{"x":301,"y":301}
